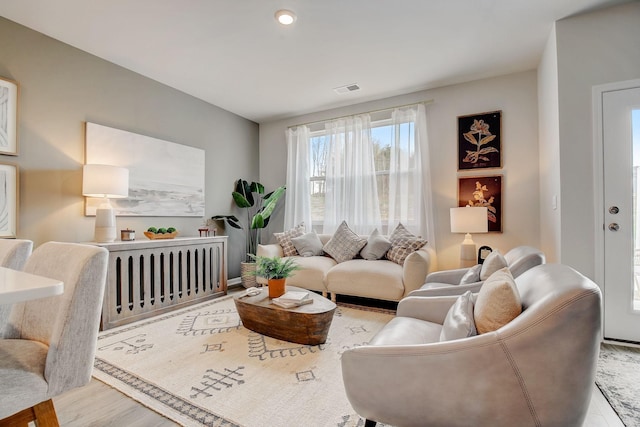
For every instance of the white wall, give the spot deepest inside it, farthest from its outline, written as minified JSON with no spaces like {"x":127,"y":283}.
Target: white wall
{"x":515,"y":95}
{"x":593,"y":49}
{"x":62,"y":87}
{"x":549,"y":143}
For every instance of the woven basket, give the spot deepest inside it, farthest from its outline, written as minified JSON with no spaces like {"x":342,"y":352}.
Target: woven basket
{"x":247,"y":274}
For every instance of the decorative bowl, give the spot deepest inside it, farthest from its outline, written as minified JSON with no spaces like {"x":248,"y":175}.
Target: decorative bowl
{"x":154,"y":236}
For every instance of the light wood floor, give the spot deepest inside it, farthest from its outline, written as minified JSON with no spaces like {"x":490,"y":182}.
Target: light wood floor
{"x":98,"y":405}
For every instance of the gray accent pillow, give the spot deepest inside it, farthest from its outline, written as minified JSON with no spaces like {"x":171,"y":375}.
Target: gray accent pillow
{"x":376,"y":247}
{"x":344,"y":244}
{"x":459,"y":322}
{"x":472,"y":275}
{"x":494,"y":262}
{"x":308,"y":244}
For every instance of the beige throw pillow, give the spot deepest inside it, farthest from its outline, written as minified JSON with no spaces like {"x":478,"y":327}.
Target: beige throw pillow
{"x":498,"y":302}
{"x":344,"y":244}
{"x":494,"y":262}
{"x":284,"y":239}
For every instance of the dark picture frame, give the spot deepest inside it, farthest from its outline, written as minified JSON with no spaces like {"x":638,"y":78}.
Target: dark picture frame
{"x":480,"y":141}
{"x":483,"y":191}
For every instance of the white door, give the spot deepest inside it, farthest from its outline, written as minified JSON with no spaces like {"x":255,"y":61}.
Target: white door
{"x":621,"y":154}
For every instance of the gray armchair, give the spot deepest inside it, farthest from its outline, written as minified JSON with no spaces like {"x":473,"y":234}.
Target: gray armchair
{"x":447,"y":282}
{"x":537,"y":370}
{"x":50,"y":343}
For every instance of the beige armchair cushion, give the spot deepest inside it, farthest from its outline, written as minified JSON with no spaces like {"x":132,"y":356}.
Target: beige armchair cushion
{"x":498,"y":302}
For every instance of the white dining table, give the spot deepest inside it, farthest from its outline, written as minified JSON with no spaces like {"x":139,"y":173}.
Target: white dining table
{"x":17,"y":286}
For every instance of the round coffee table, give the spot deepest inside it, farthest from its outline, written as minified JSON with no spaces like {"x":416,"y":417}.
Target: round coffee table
{"x":306,"y":324}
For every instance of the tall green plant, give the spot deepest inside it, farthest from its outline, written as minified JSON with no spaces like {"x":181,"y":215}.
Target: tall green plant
{"x":259,"y":207}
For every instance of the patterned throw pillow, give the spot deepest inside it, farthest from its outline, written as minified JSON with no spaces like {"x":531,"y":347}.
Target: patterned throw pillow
{"x":403,"y":243}
{"x":344,"y":244}
{"x":284,"y":239}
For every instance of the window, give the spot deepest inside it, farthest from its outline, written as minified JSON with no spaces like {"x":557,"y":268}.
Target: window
{"x":365,"y":169}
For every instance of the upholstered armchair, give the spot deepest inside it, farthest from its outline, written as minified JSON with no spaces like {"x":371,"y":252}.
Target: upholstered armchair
{"x":448,"y":282}
{"x":536,"y":370}
{"x":13,"y":254}
{"x":49,"y":344}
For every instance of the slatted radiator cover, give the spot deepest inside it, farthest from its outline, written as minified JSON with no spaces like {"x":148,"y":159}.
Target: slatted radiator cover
{"x":150,"y":277}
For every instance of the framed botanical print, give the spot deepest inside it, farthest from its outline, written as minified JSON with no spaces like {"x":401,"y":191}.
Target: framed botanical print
{"x":8,"y":117}
{"x":483,"y":191}
{"x":8,"y":200}
{"x":480,"y":141}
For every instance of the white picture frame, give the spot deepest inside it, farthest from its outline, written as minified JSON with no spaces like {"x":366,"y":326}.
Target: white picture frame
{"x":165,"y":178}
{"x":8,"y":200}
{"x":8,"y":117}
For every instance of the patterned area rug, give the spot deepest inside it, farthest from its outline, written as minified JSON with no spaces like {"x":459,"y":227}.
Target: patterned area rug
{"x":618,"y":377}
{"x":200,"y":366}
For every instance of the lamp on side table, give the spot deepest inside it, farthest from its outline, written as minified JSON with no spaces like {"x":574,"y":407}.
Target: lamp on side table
{"x":107,"y":182}
{"x":468,"y":220}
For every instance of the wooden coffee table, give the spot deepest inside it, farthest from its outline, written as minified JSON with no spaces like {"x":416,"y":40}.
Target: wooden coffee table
{"x":307,"y":324}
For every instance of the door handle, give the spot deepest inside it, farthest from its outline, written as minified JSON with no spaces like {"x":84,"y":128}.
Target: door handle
{"x":614,"y":226}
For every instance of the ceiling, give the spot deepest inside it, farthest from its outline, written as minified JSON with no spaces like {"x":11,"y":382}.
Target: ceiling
{"x":233,"y":53}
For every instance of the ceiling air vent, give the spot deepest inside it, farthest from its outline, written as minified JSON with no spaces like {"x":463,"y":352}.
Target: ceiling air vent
{"x":346,"y":89}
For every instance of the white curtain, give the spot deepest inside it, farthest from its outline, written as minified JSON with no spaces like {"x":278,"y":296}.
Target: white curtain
{"x":297,"y":197}
{"x":351,"y":189}
{"x":410,"y":199}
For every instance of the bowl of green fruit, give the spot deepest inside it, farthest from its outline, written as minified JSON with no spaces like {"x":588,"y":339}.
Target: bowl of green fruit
{"x":154,"y":233}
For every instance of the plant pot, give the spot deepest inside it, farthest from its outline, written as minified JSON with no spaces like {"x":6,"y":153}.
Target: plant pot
{"x":276,"y":287}
{"x":247,"y":274}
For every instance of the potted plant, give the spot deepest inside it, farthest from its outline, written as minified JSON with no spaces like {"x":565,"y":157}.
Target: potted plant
{"x":259,"y":207}
{"x":275,"y":270}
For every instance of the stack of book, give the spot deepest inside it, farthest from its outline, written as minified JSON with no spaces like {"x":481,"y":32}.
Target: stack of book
{"x":292,"y":299}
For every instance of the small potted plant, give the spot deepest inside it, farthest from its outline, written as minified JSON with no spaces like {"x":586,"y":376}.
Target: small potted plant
{"x":275,"y":270}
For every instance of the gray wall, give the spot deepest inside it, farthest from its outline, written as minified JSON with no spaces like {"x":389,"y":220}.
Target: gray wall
{"x":514,"y":94}
{"x":61,"y":88}
{"x":592,"y":49}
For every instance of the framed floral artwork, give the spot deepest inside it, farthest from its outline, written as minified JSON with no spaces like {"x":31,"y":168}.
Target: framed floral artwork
{"x":483,"y":191}
{"x":8,"y":117}
{"x":480,"y":141}
{"x":8,"y":200}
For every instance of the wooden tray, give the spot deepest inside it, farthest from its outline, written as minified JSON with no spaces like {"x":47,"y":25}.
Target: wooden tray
{"x":154,"y":236}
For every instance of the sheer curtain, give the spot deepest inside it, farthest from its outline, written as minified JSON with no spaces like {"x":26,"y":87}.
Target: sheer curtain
{"x":297,"y":198}
{"x":409,"y":197}
{"x":351,"y":189}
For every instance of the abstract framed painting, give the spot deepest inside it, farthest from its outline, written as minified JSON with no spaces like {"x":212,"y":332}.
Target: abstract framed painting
{"x":480,"y":141}
{"x":483,"y":191}
{"x":165,"y":178}
{"x":8,"y":117}
{"x":8,"y":200}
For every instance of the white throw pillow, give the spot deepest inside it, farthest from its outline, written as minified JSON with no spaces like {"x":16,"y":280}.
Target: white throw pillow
{"x":459,"y":322}
{"x":344,"y":244}
{"x":377,"y":245}
{"x":472,"y":275}
{"x":494,"y":262}
{"x":308,"y":244}
{"x":498,"y":302}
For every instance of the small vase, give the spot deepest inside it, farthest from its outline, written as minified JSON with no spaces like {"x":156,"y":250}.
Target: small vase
{"x":276,"y":287}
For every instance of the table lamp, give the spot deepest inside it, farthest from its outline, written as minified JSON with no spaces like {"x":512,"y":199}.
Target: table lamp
{"x":468,"y":220}
{"x":107,"y":182}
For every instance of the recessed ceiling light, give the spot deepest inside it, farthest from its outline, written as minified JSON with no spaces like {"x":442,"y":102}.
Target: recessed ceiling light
{"x":285,"y":17}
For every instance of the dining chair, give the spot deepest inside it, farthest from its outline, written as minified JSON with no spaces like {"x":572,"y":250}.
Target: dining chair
{"x":49,"y":344}
{"x":13,"y":254}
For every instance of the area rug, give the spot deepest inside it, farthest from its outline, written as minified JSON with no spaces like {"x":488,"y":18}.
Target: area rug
{"x":199,"y":366}
{"x":618,"y":377}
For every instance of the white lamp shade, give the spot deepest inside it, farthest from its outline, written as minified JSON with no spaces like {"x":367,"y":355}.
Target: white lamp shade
{"x":469,"y":220}
{"x":105,"y":181}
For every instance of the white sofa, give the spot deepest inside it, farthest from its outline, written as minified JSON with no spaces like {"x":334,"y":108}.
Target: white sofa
{"x":378,"y":279}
